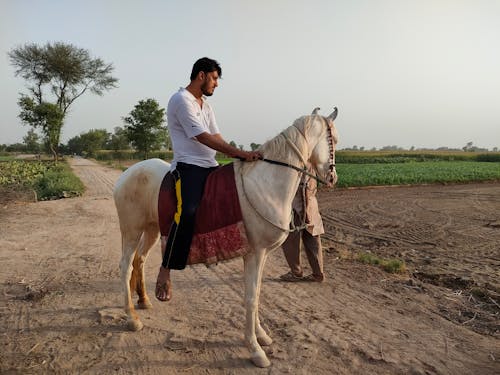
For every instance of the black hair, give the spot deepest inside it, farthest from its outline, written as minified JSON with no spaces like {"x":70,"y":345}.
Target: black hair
{"x":205,"y":65}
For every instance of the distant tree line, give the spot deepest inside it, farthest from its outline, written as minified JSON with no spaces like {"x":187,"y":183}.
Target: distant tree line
{"x":469,"y":147}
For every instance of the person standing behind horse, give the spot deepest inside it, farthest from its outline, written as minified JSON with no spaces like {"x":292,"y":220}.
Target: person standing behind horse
{"x":305,"y":211}
{"x":195,"y":141}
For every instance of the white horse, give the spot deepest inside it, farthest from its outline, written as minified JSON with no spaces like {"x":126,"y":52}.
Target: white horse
{"x":265,"y":191}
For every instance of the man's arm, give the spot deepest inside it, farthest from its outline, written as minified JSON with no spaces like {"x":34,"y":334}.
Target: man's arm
{"x":216,"y":142}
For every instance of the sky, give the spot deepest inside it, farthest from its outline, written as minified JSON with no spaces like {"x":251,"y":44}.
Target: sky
{"x":411,"y":73}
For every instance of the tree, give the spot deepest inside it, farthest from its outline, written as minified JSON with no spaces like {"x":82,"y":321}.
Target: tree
{"x":89,"y":142}
{"x":254,"y":146}
{"x":46,"y":116}
{"x":468,"y":147}
{"x":118,"y":140}
{"x":58,"y":74}
{"x":144,"y":126}
{"x":32,"y":141}
{"x":94,"y":140}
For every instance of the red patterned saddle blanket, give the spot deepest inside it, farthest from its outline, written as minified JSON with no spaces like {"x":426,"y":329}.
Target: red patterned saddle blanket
{"x":219,"y":233}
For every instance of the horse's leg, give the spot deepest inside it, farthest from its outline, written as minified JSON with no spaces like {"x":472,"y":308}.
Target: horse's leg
{"x":149,"y":238}
{"x":129,"y":245}
{"x":252,"y":263}
{"x":262,"y":336}
{"x":134,"y":277}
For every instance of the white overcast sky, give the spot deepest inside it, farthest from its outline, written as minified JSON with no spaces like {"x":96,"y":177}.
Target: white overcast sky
{"x":423,"y":73}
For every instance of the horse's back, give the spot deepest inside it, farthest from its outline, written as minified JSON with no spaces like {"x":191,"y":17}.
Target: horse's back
{"x":136,"y":192}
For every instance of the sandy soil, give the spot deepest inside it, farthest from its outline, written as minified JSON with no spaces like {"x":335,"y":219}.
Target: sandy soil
{"x":61,"y":304}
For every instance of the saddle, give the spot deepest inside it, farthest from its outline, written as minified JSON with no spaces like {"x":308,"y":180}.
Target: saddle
{"x":219,"y":232}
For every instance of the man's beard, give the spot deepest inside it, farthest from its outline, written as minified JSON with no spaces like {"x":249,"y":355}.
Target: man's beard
{"x":204,"y":90}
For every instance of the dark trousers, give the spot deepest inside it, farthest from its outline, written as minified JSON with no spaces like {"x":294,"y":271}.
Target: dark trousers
{"x":189,"y":184}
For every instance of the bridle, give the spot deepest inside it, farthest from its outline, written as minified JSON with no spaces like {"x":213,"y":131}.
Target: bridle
{"x":304,"y":171}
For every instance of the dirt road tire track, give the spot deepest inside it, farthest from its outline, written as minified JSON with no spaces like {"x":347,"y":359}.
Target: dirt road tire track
{"x":61,"y":304}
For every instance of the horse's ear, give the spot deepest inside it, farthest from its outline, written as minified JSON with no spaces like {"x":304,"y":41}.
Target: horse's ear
{"x":333,"y":115}
{"x":315,"y":111}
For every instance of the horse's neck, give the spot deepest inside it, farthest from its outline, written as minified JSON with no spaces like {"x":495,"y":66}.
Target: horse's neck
{"x":269,"y":188}
{"x":266,"y":193}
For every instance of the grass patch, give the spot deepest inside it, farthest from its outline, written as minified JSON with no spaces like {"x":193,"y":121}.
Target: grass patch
{"x":48,"y":180}
{"x":388,"y":265}
{"x":58,"y":182}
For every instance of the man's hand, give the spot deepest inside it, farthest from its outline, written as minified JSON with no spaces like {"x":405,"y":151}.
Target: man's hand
{"x":250,"y":155}
{"x":216,"y":142}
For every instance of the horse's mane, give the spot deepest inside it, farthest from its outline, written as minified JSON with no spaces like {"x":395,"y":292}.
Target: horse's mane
{"x":276,"y":148}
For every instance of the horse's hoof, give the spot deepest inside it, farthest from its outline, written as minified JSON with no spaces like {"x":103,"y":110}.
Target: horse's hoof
{"x":144,"y":305}
{"x":134,"y":325}
{"x":264,"y":340}
{"x":260,"y":360}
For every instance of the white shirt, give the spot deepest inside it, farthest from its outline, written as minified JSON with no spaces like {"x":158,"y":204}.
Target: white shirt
{"x":186,"y":119}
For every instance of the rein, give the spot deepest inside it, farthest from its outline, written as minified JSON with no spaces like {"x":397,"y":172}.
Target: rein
{"x":301,"y":170}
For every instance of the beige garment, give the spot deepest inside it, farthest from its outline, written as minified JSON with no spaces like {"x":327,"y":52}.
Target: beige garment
{"x":307,"y":197}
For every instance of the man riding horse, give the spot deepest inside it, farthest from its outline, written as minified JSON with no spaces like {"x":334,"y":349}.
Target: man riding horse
{"x":195,"y":140}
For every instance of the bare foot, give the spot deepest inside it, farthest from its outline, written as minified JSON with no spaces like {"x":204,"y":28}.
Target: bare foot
{"x":163,"y":290}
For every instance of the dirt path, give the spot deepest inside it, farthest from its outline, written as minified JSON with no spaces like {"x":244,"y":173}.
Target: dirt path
{"x":61,"y":302}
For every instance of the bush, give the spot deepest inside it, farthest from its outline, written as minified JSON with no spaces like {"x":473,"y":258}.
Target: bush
{"x":58,"y":182}
{"x":490,"y":157}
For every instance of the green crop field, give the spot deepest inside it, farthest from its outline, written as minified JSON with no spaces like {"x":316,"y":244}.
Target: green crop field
{"x":19,"y":172}
{"x":416,"y":173}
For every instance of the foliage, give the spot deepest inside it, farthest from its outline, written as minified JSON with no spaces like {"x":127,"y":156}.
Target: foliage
{"x":32,"y":141}
{"x":14,"y":147}
{"x":122,"y":155}
{"x":489,"y":157}
{"x":104,"y":155}
{"x":388,"y":265}
{"x":370,"y":157}
{"x":144,"y":126}
{"x":88,"y":143}
{"x":47,"y":179}
{"x":57,"y":74}
{"x":118,"y":140}
{"x":19,"y":172}
{"x":47,"y":116}
{"x":58,"y":182}
{"x":254,"y":146}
